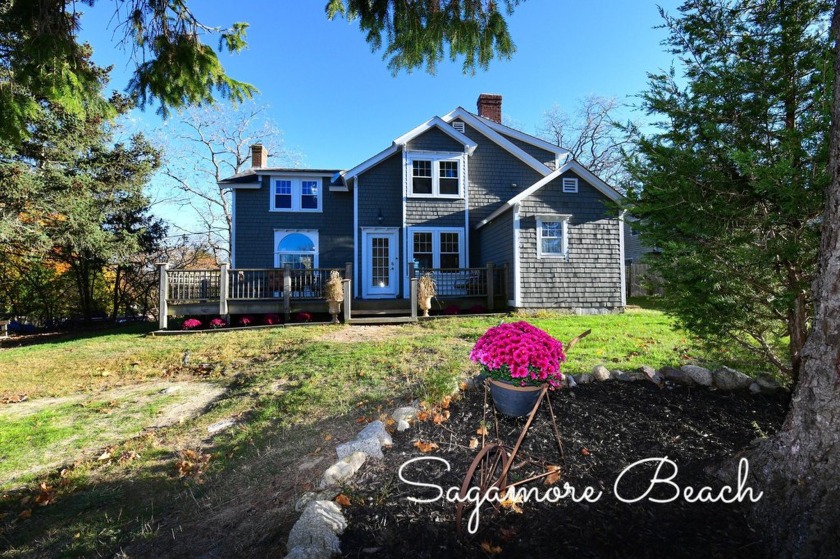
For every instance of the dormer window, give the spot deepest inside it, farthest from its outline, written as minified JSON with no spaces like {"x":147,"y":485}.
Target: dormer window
{"x":435,"y":176}
{"x":296,"y":195}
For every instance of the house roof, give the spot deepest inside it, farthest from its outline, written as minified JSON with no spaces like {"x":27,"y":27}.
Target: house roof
{"x":249,"y":178}
{"x":569,"y":165}
{"x":481,"y":124}
{"x":523,"y":137}
{"x":398,"y":143}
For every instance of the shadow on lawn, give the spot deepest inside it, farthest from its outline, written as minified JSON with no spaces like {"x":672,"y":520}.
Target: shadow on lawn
{"x":143,"y":509}
{"x":138,"y":328}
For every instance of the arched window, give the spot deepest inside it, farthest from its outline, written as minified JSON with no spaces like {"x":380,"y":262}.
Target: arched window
{"x":297,"y":248}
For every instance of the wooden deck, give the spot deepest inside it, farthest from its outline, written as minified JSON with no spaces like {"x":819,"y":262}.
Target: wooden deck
{"x":225,"y":292}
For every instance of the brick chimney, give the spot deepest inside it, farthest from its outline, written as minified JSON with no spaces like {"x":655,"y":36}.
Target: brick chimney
{"x":259,"y":156}
{"x":490,"y":106}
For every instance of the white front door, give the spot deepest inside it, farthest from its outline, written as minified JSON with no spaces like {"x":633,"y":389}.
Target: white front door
{"x":380,"y":263}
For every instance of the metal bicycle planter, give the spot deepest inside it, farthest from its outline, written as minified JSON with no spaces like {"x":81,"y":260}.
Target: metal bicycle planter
{"x":490,"y":468}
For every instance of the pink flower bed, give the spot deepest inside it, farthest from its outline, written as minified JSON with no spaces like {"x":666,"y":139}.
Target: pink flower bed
{"x":217,"y":323}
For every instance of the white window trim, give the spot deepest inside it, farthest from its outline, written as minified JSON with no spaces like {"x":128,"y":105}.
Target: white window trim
{"x":435,"y":158}
{"x":570,"y":185}
{"x":311,"y":233}
{"x":297,"y":191}
{"x":564,"y":226}
{"x":436,"y":231}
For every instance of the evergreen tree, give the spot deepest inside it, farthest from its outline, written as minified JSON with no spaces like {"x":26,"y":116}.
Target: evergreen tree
{"x":730,"y":185}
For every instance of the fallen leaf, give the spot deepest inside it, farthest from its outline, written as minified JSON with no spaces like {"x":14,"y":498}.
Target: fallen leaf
{"x":584,"y":451}
{"x":422,"y":416}
{"x":328,"y":437}
{"x":490,"y":548}
{"x":104,"y":456}
{"x":473,"y":443}
{"x":481,"y":430}
{"x":440,"y":417}
{"x":462,"y":386}
{"x":512,"y":504}
{"x":342,"y":500}
{"x":425,"y":447}
{"x":444,"y":403}
{"x":554,"y":475}
{"x":363,"y":419}
{"x":25,"y":514}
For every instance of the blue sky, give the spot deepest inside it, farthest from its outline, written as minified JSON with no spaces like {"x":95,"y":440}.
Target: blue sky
{"x":338,"y":104}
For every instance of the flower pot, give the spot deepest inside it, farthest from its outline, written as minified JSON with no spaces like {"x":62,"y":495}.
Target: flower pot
{"x":335,"y":308}
{"x":513,"y":400}
{"x":425,"y":305}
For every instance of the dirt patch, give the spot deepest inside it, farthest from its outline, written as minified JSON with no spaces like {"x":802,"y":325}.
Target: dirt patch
{"x":356,"y":334}
{"x":604,"y":428}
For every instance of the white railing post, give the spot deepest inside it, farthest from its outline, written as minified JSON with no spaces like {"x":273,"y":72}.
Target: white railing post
{"x":491,"y":294}
{"x":163,"y":268}
{"x":348,"y":298}
{"x":287,"y":291}
{"x":413,"y":284}
{"x":223,"y":291}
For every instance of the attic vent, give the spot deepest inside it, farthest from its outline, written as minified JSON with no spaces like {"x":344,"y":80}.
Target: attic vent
{"x":458,"y":125}
{"x":570,"y":186}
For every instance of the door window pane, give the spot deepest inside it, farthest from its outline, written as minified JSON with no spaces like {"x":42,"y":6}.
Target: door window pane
{"x":381,"y":261}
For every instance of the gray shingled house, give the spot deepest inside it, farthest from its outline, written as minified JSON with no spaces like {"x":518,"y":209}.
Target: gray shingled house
{"x":463,"y":195}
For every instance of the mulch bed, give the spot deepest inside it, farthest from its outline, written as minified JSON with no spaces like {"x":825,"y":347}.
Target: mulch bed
{"x":604,"y":428}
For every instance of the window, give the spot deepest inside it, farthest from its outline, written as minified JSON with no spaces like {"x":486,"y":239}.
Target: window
{"x":570,"y":186}
{"x":421,"y":177}
{"x":438,"y":176}
{"x":552,"y":236}
{"x":283,"y":194}
{"x":296,"y":195}
{"x":448,"y":177}
{"x":299,"y":249}
{"x":436,"y":248}
{"x":423,"y":253}
{"x":450,"y":250}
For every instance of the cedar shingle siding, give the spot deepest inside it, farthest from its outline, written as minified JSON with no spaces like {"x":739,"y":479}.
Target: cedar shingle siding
{"x":255,"y":226}
{"x":591,"y":278}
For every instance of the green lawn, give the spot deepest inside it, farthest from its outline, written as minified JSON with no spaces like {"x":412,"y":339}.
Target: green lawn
{"x":280,"y":385}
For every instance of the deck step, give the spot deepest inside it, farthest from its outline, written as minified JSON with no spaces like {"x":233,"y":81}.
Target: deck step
{"x":383,"y":320}
{"x":381,"y":312}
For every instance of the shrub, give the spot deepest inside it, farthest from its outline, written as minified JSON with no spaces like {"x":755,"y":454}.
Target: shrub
{"x":270,"y":319}
{"x":477,"y":309}
{"x":451,"y":310}
{"x":303,"y":316}
{"x":191,"y":324}
{"x":246,"y":320}
{"x":217,"y":323}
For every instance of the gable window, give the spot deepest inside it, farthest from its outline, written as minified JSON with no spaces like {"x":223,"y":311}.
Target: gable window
{"x":421,"y":177}
{"x":570,"y":186}
{"x":299,"y":249}
{"x":296,"y":195}
{"x":434,"y":248}
{"x":435,"y":176}
{"x":552,"y":236}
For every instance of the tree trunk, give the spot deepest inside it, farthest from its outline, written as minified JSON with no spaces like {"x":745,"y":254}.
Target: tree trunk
{"x":115,"y":311}
{"x":798,"y":469}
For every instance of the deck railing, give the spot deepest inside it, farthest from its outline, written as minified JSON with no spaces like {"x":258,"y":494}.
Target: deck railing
{"x":267,"y":284}
{"x":489,"y":282}
{"x":193,"y":285}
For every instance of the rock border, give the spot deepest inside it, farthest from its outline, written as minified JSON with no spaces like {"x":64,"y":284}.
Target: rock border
{"x":315,"y":534}
{"x":724,"y":378}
